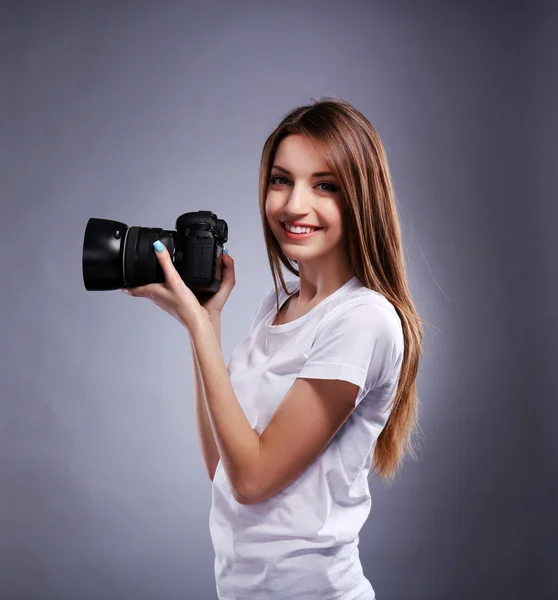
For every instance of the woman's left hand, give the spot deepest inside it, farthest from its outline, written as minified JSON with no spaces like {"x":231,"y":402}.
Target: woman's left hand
{"x":173,"y":296}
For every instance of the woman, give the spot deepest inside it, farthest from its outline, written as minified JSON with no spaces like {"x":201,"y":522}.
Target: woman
{"x":323,"y":388}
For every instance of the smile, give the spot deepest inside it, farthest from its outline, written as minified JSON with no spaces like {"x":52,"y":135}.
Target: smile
{"x":299,"y":236}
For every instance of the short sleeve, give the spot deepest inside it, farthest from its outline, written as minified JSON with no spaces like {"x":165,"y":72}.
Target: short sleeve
{"x":362,"y":344}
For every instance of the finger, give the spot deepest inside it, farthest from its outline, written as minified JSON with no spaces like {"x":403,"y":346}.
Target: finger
{"x":228,"y":274}
{"x":137,"y":292}
{"x":165,"y":260}
{"x":144,"y":291}
{"x":228,"y":260}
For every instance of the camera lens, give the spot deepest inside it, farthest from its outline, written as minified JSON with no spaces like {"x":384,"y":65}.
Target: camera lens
{"x":141,"y":266}
{"x":103,"y":252}
{"x":116,"y":256}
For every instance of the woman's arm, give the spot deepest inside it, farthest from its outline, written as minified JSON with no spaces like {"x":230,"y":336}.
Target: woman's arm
{"x":209,"y":450}
{"x":258,"y":467}
{"x":237,"y":443}
{"x":309,"y":415}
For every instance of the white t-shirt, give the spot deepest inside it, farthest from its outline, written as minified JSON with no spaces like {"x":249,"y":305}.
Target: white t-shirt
{"x":302,"y":543}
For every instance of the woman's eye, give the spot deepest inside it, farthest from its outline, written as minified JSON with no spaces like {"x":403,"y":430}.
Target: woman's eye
{"x":278,"y":180}
{"x":331,"y":187}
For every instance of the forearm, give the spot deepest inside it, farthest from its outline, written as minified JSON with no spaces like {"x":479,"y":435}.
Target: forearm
{"x":209,"y":450}
{"x":237,"y":443}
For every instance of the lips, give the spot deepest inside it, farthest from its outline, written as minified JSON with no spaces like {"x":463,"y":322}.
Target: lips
{"x":298,"y":237}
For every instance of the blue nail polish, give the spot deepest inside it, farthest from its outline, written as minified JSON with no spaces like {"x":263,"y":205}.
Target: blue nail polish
{"x":225,"y":251}
{"x":158,"y":246}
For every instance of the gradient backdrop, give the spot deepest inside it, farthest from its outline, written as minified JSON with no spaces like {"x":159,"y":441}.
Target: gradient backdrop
{"x":140,"y":111}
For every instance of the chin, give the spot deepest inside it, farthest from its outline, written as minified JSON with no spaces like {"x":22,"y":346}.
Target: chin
{"x":303,"y":256}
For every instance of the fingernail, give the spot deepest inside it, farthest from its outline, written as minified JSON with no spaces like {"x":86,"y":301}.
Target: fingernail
{"x":158,"y":246}
{"x":225,"y":250}
{"x":125,"y":291}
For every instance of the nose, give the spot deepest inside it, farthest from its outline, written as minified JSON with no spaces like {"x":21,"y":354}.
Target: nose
{"x":297,"y":201}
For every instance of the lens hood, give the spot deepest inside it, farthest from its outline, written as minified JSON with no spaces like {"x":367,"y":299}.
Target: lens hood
{"x":102,"y":255}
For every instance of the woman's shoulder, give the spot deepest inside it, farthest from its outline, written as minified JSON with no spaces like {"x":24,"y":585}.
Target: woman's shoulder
{"x":362,"y":309}
{"x":359,"y":299}
{"x":354,"y":301}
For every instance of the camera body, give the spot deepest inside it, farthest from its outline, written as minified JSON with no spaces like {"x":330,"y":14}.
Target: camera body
{"x":117,"y":256}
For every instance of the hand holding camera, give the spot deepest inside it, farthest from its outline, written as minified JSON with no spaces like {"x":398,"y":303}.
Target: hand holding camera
{"x":189,"y":273}
{"x":177,"y":299}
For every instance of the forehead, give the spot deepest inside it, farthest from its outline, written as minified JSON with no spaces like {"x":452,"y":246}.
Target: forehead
{"x":300,"y":156}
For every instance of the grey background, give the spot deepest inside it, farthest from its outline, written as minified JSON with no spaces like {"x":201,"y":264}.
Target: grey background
{"x":139,"y":111}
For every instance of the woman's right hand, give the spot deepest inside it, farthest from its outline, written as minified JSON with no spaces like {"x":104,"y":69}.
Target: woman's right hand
{"x":214,"y":303}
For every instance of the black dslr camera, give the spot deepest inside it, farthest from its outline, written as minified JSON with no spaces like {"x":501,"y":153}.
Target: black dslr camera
{"x":117,"y":256}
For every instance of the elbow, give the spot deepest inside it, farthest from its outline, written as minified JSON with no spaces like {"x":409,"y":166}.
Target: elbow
{"x":243,"y":497}
{"x":246,"y":494}
{"x":247,"y":487}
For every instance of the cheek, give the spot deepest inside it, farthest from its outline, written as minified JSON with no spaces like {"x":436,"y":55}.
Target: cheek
{"x":268,"y":209}
{"x":335,"y":218}
{"x":271,"y":206}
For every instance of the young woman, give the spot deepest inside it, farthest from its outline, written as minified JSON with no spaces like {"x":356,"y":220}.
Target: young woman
{"x":323,"y":388}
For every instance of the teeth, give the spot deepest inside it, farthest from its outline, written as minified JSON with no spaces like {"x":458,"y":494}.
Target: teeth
{"x":299,"y":229}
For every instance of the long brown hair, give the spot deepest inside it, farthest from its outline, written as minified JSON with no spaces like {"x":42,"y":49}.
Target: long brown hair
{"x":354,"y":152}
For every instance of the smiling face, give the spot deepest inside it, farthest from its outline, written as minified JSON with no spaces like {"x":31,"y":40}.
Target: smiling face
{"x":300,"y":191}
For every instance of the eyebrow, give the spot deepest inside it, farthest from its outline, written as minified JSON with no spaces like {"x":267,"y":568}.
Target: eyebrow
{"x":319,"y":174}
